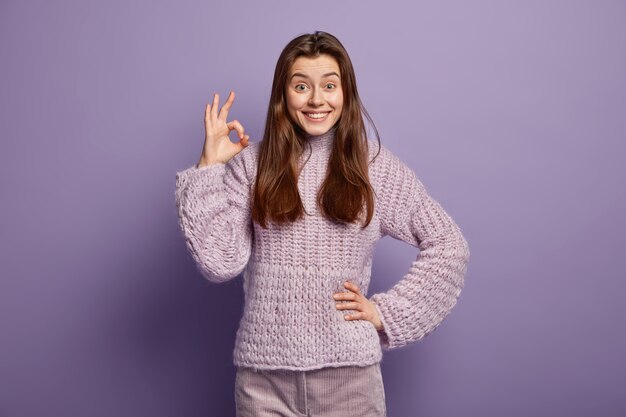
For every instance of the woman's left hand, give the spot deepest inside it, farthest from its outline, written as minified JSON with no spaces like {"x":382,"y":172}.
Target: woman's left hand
{"x":357,"y":301}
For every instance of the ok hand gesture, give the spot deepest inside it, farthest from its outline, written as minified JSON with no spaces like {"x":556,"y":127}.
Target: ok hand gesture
{"x":217,"y":144}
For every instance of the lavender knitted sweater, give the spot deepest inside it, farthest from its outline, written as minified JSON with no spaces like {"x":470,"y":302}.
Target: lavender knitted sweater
{"x":291,"y":271}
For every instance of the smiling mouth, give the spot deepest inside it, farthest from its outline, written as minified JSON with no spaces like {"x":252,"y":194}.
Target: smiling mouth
{"x":316,"y":116}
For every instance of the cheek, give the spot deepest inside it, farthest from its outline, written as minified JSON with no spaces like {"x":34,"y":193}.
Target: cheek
{"x":293,"y":103}
{"x":337,"y":101}
{"x":338,"y":105}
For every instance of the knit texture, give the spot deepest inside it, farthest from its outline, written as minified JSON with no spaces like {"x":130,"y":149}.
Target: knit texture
{"x":290,"y":272}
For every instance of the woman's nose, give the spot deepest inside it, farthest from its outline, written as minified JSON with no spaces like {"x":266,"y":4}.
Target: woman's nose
{"x":316,"y":97}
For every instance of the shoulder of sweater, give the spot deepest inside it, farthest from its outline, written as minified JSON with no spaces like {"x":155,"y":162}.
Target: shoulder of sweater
{"x":385,"y":164}
{"x":382,"y":163}
{"x":376,"y":157}
{"x":246,"y":160}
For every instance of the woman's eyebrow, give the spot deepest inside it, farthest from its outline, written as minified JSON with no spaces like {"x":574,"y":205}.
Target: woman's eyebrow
{"x":328,"y":74}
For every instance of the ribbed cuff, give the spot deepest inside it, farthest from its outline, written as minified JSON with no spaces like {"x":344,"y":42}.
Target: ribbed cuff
{"x":204,"y":176}
{"x":384,"y":338}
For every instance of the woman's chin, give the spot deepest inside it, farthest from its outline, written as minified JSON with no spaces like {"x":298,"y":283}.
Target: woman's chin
{"x":316,"y":130}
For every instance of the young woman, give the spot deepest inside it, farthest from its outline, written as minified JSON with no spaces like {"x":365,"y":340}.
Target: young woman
{"x":299,"y":214}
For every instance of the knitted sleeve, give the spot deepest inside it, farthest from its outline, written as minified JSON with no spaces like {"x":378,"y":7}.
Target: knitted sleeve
{"x":213,"y":207}
{"x":421,"y":300}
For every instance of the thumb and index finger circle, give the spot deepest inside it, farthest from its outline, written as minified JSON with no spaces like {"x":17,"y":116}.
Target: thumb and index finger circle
{"x":235,"y":125}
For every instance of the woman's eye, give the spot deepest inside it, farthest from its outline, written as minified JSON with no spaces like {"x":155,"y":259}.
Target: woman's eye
{"x":332,"y":85}
{"x":299,"y":85}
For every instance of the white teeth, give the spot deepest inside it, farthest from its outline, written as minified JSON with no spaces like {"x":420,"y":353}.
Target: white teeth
{"x":316,"y":115}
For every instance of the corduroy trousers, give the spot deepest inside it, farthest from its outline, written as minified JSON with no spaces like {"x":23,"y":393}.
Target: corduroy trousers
{"x":347,"y":391}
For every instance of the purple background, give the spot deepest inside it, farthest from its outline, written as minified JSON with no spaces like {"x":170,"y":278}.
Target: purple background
{"x":511,"y":113}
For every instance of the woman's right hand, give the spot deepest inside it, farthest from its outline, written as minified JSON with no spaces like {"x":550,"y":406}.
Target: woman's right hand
{"x":217,"y":145}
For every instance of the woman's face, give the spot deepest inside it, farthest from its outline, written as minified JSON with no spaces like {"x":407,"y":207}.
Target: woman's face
{"x":313,"y":93}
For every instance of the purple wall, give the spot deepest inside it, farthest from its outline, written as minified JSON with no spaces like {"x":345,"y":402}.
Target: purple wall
{"x":513,"y":116}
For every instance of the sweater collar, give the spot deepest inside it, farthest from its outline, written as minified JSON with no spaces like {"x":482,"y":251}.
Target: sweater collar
{"x":324,"y":138}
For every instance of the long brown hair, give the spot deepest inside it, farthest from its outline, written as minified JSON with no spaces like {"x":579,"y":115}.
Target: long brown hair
{"x":346,"y":187}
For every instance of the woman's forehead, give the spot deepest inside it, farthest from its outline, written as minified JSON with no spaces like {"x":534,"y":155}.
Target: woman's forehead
{"x":307,"y":66}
